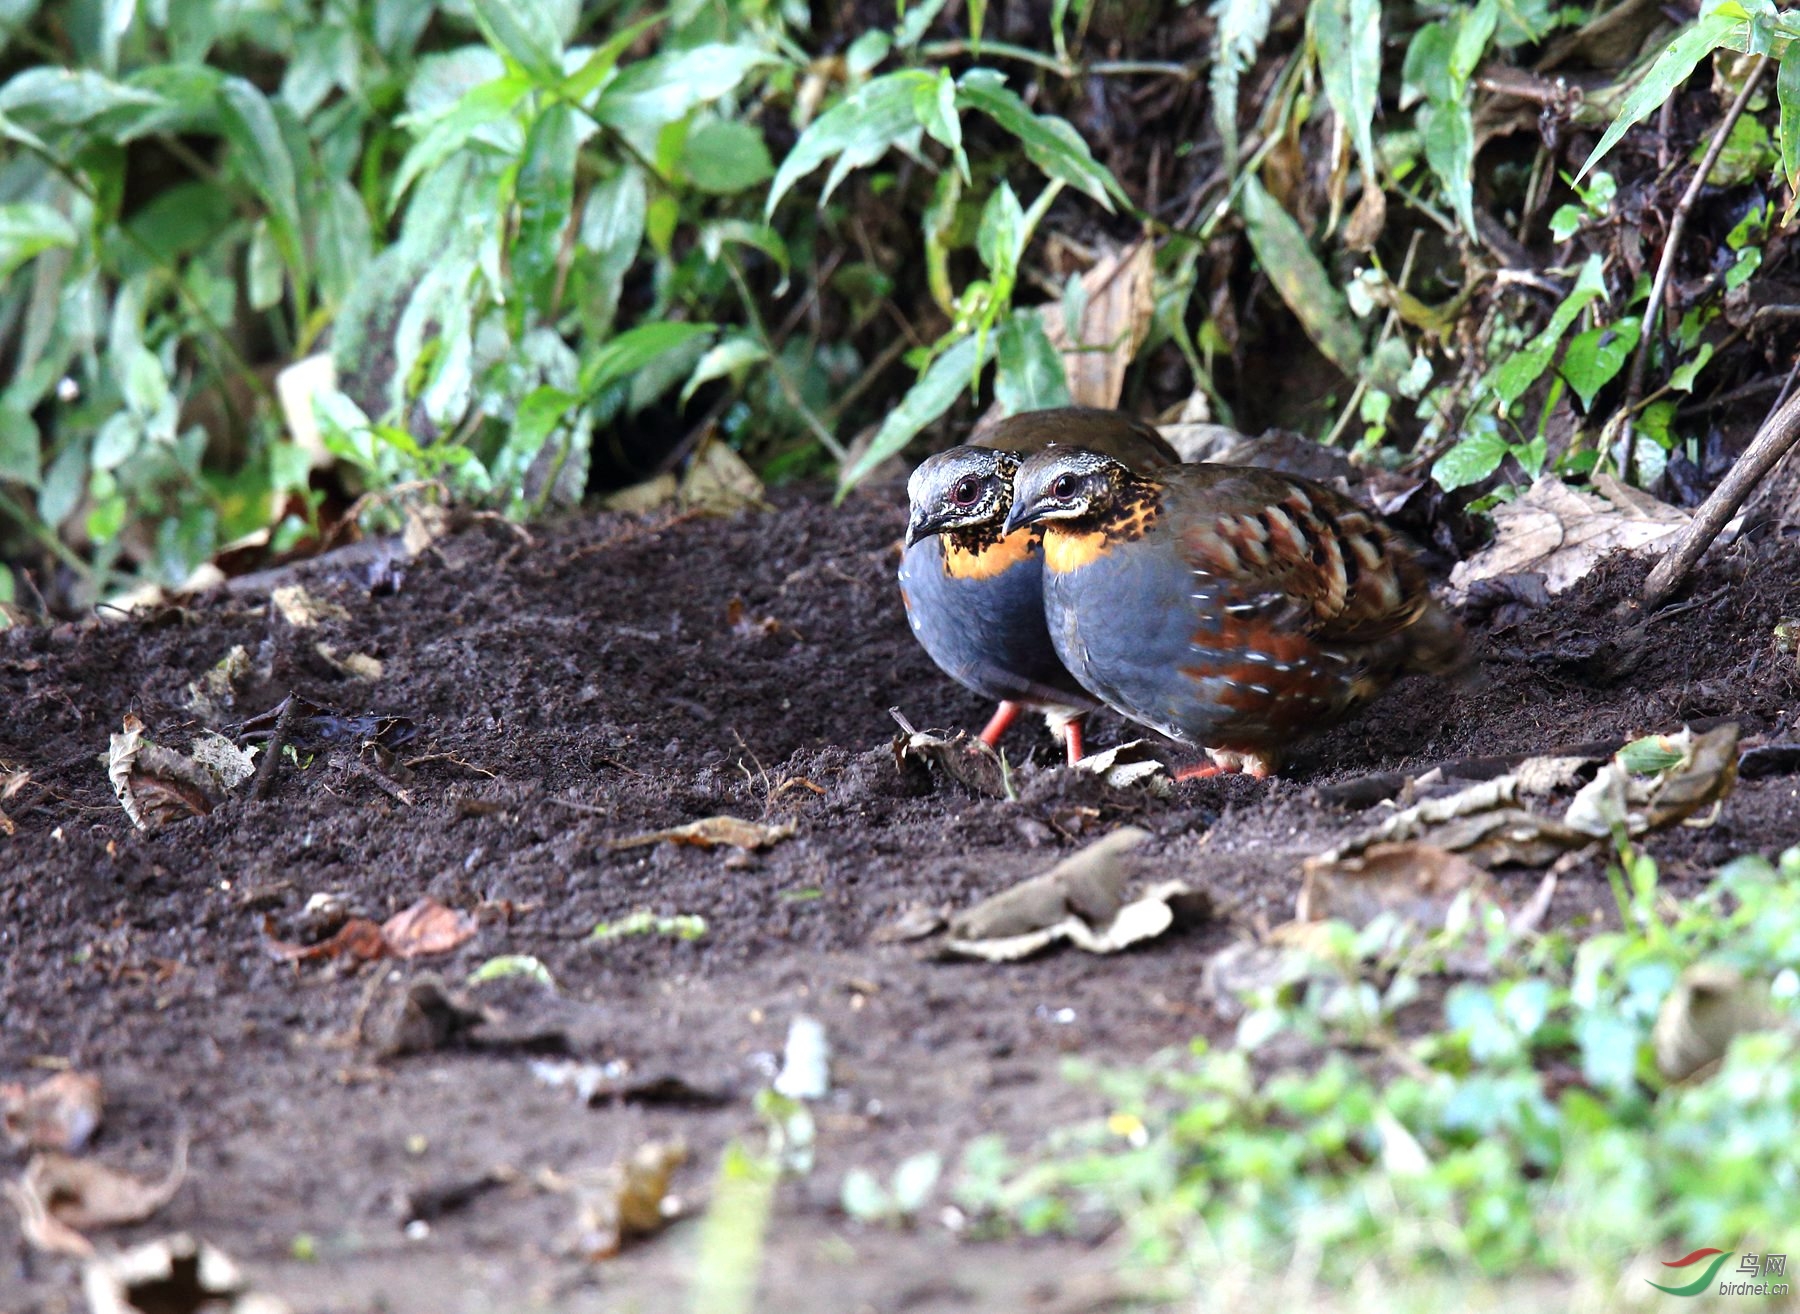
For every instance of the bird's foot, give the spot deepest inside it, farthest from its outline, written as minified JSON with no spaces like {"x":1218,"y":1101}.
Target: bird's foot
{"x":998,"y":724}
{"x":1072,"y":741}
{"x":1229,"y":762}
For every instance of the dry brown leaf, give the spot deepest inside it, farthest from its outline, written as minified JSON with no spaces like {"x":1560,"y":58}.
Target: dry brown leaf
{"x":630,"y":1200}
{"x":157,"y":785}
{"x":710,"y":832}
{"x":84,"y":1194}
{"x":60,"y":1113}
{"x":427,"y":927}
{"x":1710,"y":1004}
{"x":303,"y":610}
{"x":1563,"y":533}
{"x":964,"y":758}
{"x":719,"y":482}
{"x":1080,"y":900}
{"x":1120,"y":305}
{"x":1642,"y":804}
{"x":1089,"y":884}
{"x":357,"y":938}
{"x":1130,"y":765}
{"x":1417,"y":882}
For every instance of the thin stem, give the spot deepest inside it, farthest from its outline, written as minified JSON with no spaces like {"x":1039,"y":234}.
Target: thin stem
{"x":789,"y":390}
{"x":1665,"y":268}
{"x":1062,"y":68}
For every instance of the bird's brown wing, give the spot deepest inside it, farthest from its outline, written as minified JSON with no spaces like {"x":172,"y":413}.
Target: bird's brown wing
{"x":1281,"y":551}
{"x":1132,"y":442}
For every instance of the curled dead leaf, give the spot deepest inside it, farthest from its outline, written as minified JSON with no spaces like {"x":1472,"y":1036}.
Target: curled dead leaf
{"x":1080,"y":900}
{"x":61,"y":1197}
{"x":59,"y":1113}
{"x":1416,"y":882}
{"x":964,"y":758}
{"x":1563,"y":533}
{"x":427,"y":927}
{"x":1709,"y":1006}
{"x":157,"y":785}
{"x":631,"y":1199}
{"x":710,"y":832}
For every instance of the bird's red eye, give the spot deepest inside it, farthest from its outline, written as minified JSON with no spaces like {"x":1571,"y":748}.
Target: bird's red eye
{"x":1065,"y":487}
{"x":966,"y":491}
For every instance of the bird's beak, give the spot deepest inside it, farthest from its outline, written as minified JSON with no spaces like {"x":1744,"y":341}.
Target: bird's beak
{"x":1025,"y":511}
{"x":920,"y":526}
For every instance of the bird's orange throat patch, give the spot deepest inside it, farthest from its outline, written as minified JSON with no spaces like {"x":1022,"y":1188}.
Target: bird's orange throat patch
{"x":1072,"y":545}
{"x":990,"y":559}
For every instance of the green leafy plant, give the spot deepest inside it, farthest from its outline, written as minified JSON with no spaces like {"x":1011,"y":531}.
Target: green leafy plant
{"x":1529,"y":1129}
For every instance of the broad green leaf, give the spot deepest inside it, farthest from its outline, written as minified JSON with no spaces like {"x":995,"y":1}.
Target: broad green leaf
{"x":726,"y":156}
{"x":1001,"y":237}
{"x":65,"y":480}
{"x":546,"y":196}
{"x":935,"y":107}
{"x":1520,"y":370}
{"x":1310,"y":292}
{"x":1449,"y":135}
{"x":1594,"y":358}
{"x":1746,"y":156}
{"x":1682,"y":380}
{"x":663,"y":88}
{"x":187,"y":100}
{"x":582,"y":83}
{"x":1029,"y":374}
{"x":1749,"y":260}
{"x":260,"y":152}
{"x":758,"y":237}
{"x":1347,"y":37}
{"x":867,"y":51}
{"x":527,"y":31}
{"x":19,"y":452}
{"x":729,"y":356}
{"x":1049,"y":142}
{"x":1425,"y":74}
{"x":1787,"y":92}
{"x":859,"y":129}
{"x":1471,"y":460}
{"x":1666,"y":75}
{"x":1242,"y":26}
{"x":632,"y":350}
{"x":946,"y":378}
{"x":612,"y":227}
{"x":262,"y":269}
{"x":538,"y":416}
{"x":1566,"y":222}
{"x":28,"y":228}
{"x":487,"y":103}
{"x":1472,"y":36}
{"x":45,"y":97}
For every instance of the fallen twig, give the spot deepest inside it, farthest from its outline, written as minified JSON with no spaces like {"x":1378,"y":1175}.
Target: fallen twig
{"x":265,"y":769}
{"x":1665,"y":268}
{"x":1772,"y":442}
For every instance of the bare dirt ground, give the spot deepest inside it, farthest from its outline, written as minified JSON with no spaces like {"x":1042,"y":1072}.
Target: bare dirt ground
{"x":612,"y":676}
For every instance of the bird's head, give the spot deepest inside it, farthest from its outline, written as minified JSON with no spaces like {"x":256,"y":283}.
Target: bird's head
{"x":1065,"y":484}
{"x":961,"y":489}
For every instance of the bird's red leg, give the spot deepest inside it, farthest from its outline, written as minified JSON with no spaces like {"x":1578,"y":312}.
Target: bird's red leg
{"x":1072,"y":739}
{"x":1004,"y":715}
{"x":1203,"y":771}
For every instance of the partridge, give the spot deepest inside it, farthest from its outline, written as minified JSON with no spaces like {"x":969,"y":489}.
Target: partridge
{"x":1232,"y":608}
{"x":973,"y":588}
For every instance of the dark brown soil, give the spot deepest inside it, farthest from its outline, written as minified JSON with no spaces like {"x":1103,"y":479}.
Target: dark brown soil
{"x":611,"y":676}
